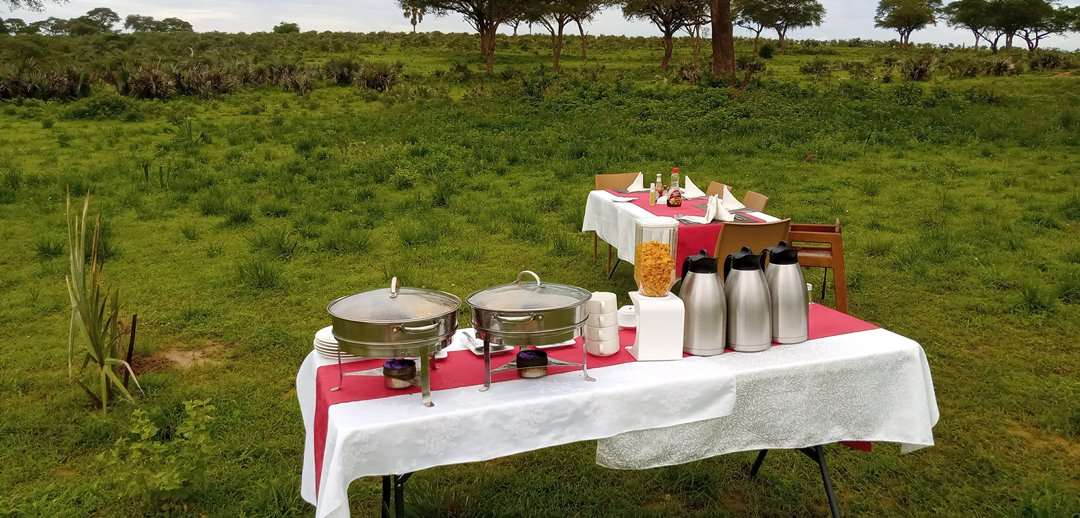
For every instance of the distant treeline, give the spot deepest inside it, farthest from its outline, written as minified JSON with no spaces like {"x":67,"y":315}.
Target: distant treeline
{"x":155,"y":65}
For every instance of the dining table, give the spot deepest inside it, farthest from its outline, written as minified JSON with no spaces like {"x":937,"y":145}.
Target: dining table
{"x":612,"y":215}
{"x":850,"y":381}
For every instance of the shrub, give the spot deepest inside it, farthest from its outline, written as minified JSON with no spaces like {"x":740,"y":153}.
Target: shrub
{"x":237,"y":214}
{"x":212,"y":202}
{"x":278,"y":243}
{"x":766,"y":51}
{"x":908,"y":94}
{"x":919,"y":69}
{"x":47,"y":123}
{"x":378,"y":76}
{"x":104,"y":104}
{"x":46,"y":248}
{"x":404,"y":178}
{"x":158,"y":465}
{"x":258,"y":273}
{"x":820,"y":67}
{"x":190,"y":232}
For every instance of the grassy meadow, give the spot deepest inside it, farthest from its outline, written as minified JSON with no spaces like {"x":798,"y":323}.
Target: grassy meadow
{"x":232,"y":219}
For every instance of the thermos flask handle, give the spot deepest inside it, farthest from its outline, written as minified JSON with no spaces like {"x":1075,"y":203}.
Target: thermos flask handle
{"x":685,"y":268}
{"x":761,"y":259}
{"x":727,"y":266}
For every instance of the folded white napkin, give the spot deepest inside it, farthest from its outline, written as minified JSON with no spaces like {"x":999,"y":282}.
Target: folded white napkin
{"x":691,"y":190}
{"x":720,"y":212}
{"x":638,"y":185}
{"x":729,"y":201}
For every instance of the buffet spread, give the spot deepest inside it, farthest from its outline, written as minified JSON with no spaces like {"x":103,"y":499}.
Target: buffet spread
{"x":656,"y":364}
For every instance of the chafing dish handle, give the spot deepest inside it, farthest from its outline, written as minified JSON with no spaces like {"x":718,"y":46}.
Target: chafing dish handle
{"x":423,"y":329}
{"x":511,"y":320}
{"x":534,"y":275}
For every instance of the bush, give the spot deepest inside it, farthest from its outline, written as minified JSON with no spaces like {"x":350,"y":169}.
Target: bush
{"x":820,"y":67}
{"x":766,"y":51}
{"x":258,"y":273}
{"x":920,"y":69}
{"x":158,"y":465}
{"x":104,"y":104}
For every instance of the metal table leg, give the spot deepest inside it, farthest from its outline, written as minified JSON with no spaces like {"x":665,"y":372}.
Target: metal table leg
{"x":816,"y":454}
{"x":399,"y":494}
{"x":757,"y":463}
{"x":612,"y":272}
{"x":384,"y":510}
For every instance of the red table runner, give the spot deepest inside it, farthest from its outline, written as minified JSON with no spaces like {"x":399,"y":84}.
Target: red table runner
{"x":692,"y":238}
{"x":463,"y":368}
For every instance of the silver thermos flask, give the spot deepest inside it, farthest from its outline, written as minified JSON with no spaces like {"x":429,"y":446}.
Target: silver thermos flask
{"x":702,"y":294}
{"x":749,"y":320}
{"x":790,"y":307}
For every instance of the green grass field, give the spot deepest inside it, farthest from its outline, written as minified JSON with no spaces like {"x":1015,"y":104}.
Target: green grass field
{"x":232,"y":221}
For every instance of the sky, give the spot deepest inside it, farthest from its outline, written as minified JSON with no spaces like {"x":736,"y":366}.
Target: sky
{"x":844,"y":19}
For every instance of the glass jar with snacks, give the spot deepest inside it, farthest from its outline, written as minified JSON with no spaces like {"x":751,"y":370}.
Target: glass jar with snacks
{"x":654,"y":255}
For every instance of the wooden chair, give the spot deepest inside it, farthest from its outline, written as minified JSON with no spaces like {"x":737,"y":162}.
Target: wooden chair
{"x":757,"y":236}
{"x":822,"y":246}
{"x":716,"y":188}
{"x":755,"y":201}
{"x":604,"y":182}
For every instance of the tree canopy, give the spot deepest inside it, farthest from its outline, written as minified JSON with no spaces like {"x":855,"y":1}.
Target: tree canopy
{"x":484,"y":16}
{"x":287,"y":28}
{"x":140,"y":23}
{"x":990,"y":20}
{"x":103,"y":17}
{"x":779,"y":15}
{"x":906,"y":16}
{"x":667,"y":15}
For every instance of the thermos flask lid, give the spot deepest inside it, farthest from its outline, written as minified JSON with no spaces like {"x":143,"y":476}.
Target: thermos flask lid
{"x":783,"y":254}
{"x":745,"y":259}
{"x":700,"y":263}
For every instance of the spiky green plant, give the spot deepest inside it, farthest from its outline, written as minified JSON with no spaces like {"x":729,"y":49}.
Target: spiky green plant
{"x":95,"y":313}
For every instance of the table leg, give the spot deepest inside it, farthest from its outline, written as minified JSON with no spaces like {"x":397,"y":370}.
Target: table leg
{"x":384,"y":511}
{"x":487,"y":364}
{"x":399,"y":494}
{"x":612,"y":272}
{"x":833,"y":507}
{"x":757,"y":463}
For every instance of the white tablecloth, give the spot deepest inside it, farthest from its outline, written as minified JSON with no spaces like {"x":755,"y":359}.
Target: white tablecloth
{"x":398,"y":435}
{"x":614,"y":221}
{"x":867,"y":386}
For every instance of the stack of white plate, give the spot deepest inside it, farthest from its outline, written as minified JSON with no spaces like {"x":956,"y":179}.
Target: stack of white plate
{"x":327,"y":347}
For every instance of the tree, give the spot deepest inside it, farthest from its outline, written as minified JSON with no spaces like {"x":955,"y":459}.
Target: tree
{"x":555,"y":15}
{"x":82,"y":26}
{"x":12,"y":26}
{"x":287,"y":28}
{"x":973,"y":15}
{"x":723,"y":39}
{"x":1044,"y":19}
{"x":794,"y":14}
{"x":104,"y":17}
{"x":29,"y":5}
{"x":140,"y":23}
{"x":669,"y":16}
{"x":175,"y":25}
{"x":754,"y":16}
{"x":484,"y":16}
{"x":587,"y":9}
{"x":906,"y":16}
{"x":415,"y":15}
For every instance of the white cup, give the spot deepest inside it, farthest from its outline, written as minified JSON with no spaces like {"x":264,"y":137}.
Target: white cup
{"x":602,"y":302}
{"x":602,"y":320}
{"x":602,"y":347}
{"x":601,"y":333}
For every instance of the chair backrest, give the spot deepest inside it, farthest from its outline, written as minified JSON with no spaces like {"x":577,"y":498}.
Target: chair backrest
{"x":716,"y":188}
{"x":819,"y":238}
{"x":614,"y":180}
{"x":755,"y":201}
{"x":757,"y":236}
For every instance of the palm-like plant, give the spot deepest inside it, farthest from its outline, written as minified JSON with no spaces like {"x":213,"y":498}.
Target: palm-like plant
{"x":95,"y":312}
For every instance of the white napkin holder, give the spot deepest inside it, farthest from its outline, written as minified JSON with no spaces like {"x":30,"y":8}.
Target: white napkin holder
{"x":659,"y":327}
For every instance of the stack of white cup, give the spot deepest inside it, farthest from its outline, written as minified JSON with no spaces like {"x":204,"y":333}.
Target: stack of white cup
{"x":602,"y":327}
